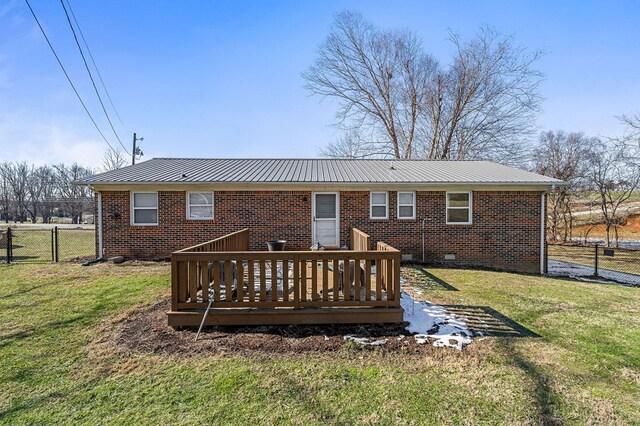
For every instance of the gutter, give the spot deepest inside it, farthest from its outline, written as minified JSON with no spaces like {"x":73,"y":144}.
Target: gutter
{"x":99,"y":223}
{"x":543,"y":214}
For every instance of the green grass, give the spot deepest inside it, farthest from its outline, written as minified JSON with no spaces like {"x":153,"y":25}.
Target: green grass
{"x":33,"y":244}
{"x":59,"y":362}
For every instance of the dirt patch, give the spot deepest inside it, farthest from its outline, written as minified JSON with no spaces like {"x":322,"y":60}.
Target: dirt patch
{"x":146,"y":330}
{"x":629,"y":230}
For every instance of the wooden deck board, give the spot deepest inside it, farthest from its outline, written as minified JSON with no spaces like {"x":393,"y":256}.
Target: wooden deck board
{"x":260,"y":316}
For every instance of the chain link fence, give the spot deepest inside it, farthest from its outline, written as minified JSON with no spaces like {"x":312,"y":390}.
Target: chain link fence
{"x":594,"y":261}
{"x":46,"y":244}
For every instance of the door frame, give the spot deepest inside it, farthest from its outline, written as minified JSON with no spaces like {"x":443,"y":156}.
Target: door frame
{"x":313,"y":215}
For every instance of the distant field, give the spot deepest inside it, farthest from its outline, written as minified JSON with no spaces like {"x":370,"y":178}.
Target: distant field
{"x":629,"y":231}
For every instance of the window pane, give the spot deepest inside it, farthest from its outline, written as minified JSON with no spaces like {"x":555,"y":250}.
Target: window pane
{"x":201,"y":212}
{"x":405,"y":197}
{"x":458,"y":200}
{"x":145,"y":200}
{"x":378,"y":211}
{"x":326,"y":206}
{"x":406,"y":211}
{"x":458,"y":215}
{"x":378,"y":198}
{"x":145,"y":216}
{"x":201,"y":198}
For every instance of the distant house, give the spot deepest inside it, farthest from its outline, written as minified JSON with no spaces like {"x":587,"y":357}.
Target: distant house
{"x":473,"y":213}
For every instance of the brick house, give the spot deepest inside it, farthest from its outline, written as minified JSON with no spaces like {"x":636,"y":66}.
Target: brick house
{"x":474,"y":213}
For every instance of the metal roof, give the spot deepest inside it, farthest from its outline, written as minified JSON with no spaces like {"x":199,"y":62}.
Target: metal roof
{"x":317,"y":171}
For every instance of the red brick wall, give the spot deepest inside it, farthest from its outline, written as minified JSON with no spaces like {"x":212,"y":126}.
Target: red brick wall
{"x":505,"y":233}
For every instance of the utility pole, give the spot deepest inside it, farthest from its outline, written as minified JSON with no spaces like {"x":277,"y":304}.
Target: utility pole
{"x":136,"y":150}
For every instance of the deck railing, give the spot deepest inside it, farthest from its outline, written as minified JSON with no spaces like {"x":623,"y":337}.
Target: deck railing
{"x":236,"y":241}
{"x":359,"y":240}
{"x":291,"y":279}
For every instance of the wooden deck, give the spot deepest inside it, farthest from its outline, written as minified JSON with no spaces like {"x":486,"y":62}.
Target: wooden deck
{"x":288,"y":287}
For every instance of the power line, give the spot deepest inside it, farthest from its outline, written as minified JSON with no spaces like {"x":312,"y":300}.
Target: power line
{"x":67,"y":75}
{"x":86,"y":65}
{"x":94,"y":63}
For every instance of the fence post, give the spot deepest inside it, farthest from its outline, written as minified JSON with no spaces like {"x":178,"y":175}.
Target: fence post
{"x":57,"y":246}
{"x":9,"y":245}
{"x":53,"y":256}
{"x":596,"y":262}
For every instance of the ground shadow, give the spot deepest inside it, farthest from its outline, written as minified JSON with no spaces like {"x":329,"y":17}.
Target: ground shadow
{"x":309,"y":330}
{"x":438,"y":280}
{"x":545,"y":398}
{"x":483,"y":320}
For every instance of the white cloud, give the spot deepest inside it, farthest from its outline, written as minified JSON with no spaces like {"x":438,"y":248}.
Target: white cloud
{"x":46,"y":143}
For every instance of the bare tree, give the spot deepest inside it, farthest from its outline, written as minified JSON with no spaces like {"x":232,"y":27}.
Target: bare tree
{"x":481,"y":106}
{"x":34,"y":195}
{"x":17,"y":175}
{"x":46,"y":177}
{"x":113,"y":159}
{"x":378,"y":76}
{"x":74,"y":199}
{"x":486,"y":101}
{"x":566,"y":157}
{"x":631,"y":136}
{"x":352,"y":145}
{"x":615,"y":178}
{"x":5,"y":192}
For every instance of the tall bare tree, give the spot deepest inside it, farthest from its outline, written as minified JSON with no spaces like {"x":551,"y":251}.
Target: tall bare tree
{"x":17,"y":177}
{"x":49,"y":194}
{"x":74,"y":199}
{"x":614,"y":177}
{"x":5,"y":192}
{"x":34,"y":195}
{"x":566,"y":157}
{"x":113,"y":159}
{"x":481,"y":106}
{"x":379,"y":78}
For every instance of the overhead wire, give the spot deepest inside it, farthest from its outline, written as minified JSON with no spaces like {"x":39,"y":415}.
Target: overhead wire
{"x":73,"y":15}
{"x":95,"y":88}
{"x":67,"y":75}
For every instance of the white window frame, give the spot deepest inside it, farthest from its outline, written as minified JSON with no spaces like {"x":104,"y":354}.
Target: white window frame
{"x":413,"y":204}
{"x":134,"y":208}
{"x":470,"y":208}
{"x":386,"y":205}
{"x":189,"y":205}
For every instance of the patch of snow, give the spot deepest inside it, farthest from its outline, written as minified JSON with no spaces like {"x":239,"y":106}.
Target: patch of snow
{"x":431,"y":321}
{"x":365,"y":341}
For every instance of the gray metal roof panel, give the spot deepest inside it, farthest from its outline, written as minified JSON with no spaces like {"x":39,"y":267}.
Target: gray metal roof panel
{"x":203,"y":170}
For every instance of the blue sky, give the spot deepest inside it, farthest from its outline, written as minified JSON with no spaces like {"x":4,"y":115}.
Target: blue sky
{"x":222,"y":79}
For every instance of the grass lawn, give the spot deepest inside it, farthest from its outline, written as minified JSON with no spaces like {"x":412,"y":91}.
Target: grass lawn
{"x":59,"y":365}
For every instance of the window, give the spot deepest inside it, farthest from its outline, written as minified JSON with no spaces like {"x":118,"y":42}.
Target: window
{"x":199,"y":205}
{"x":144,"y":206}
{"x":379,"y":202}
{"x":406,"y":205}
{"x":459,"y":208}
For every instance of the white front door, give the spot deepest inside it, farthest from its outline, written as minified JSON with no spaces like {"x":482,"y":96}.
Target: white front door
{"x":326,"y":218}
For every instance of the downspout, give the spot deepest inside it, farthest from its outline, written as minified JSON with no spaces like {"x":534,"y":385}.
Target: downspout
{"x":543,"y":214}
{"x":424,"y":221}
{"x":100,"y":249}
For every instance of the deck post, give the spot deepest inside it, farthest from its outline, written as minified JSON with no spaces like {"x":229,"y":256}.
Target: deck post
{"x":174,"y":284}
